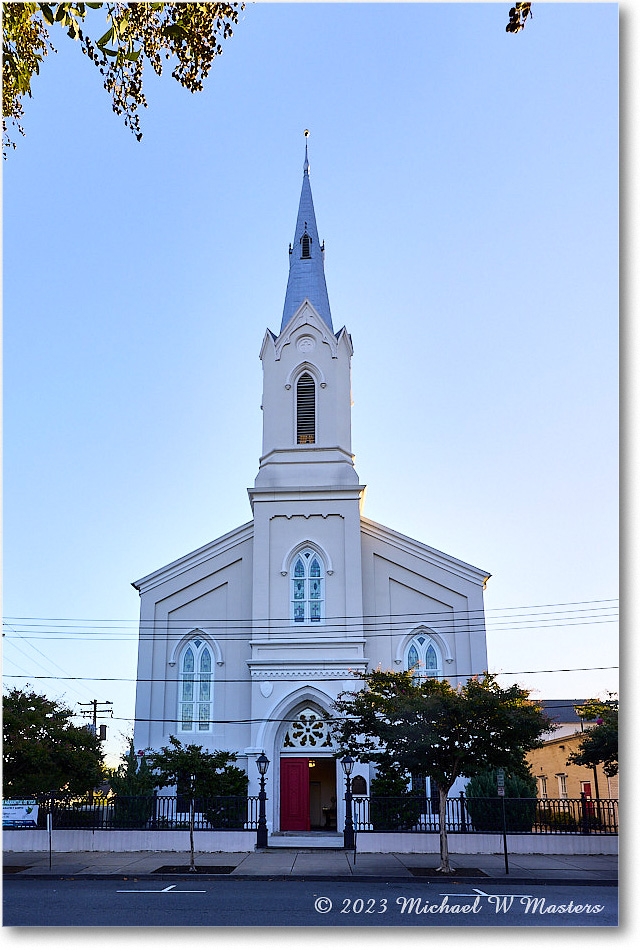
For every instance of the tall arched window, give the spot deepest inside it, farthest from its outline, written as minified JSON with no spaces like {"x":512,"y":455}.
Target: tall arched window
{"x":195,"y":693}
{"x":305,"y":245}
{"x":423,"y":657}
{"x":305,"y":410}
{"x":307,"y":587}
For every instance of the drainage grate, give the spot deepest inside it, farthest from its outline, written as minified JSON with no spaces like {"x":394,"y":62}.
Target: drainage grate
{"x":456,"y":872}
{"x":201,"y":869}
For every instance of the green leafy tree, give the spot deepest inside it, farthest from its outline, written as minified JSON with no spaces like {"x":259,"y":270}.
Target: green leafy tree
{"x":599,"y":744}
{"x":197,"y":775}
{"x":487,"y":810}
{"x":43,"y":749}
{"x":190,"y":34}
{"x":133,"y":785}
{"x":431,"y":728}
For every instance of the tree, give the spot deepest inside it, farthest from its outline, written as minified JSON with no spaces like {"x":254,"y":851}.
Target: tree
{"x":517,"y":17}
{"x":191,"y":33}
{"x":599,"y":745}
{"x":431,"y":728}
{"x":197,"y":774}
{"x":133,"y":785}
{"x":43,"y":749}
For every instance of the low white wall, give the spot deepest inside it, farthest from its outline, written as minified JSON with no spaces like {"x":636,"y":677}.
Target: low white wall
{"x":25,"y":840}
{"x":370,"y":842}
{"x":409,"y":843}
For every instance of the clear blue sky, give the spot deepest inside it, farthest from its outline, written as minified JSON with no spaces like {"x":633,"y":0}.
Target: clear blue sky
{"x":466,"y":186}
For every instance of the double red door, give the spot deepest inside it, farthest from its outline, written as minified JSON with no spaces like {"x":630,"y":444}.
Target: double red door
{"x":295,"y":795}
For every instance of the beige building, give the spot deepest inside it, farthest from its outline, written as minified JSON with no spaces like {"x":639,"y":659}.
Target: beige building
{"x":556,"y":779}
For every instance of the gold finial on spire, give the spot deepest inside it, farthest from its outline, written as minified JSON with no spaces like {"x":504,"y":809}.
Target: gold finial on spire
{"x":306,"y":164}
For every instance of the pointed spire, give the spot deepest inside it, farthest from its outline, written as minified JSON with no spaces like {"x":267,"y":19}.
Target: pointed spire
{"x":307,"y":276}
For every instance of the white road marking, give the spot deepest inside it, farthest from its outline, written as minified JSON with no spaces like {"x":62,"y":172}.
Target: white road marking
{"x":166,"y":890}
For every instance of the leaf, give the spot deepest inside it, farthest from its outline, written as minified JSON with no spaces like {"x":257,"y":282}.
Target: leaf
{"x":105,"y":37}
{"x":47,"y":13}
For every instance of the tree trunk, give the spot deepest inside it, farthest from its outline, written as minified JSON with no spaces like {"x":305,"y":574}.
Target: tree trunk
{"x":444,"y":864}
{"x":192,"y":866}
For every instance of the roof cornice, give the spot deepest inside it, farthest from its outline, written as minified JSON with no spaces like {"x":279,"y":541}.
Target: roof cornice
{"x":417,"y":549}
{"x":219,"y":546}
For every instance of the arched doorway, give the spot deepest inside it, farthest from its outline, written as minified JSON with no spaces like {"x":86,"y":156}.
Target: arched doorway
{"x":308,"y":774}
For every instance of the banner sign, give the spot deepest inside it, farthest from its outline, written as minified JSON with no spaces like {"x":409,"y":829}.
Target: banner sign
{"x":19,"y":813}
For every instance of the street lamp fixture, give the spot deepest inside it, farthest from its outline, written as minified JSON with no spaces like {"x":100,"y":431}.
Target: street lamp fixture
{"x":347,"y":763}
{"x":262,"y":764}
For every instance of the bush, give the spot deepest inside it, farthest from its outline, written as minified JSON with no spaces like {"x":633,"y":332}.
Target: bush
{"x":132,"y":811}
{"x":392,"y":806}
{"x":485,"y":807}
{"x":225,"y":812}
{"x":557,"y":820}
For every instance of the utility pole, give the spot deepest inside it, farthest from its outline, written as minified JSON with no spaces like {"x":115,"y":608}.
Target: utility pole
{"x":94,"y":712}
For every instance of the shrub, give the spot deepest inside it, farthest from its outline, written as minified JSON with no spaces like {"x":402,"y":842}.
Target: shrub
{"x":392,"y":806}
{"x":485,"y":807}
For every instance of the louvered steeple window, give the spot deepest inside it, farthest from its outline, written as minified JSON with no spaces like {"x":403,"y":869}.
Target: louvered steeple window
{"x":305,"y":410}
{"x":305,"y":246}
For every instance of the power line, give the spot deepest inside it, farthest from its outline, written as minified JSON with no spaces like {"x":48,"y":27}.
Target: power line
{"x":325,"y":679}
{"x":358,"y":618}
{"x":328,"y":629}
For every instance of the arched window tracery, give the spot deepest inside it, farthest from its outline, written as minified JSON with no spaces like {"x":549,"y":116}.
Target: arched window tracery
{"x":195,"y":688}
{"x":307,"y":587}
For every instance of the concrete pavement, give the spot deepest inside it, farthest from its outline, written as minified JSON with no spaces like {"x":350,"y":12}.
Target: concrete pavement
{"x":312,"y":864}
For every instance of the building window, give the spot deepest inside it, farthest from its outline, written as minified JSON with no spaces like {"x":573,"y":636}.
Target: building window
{"x":307,"y":588}
{"x":423,"y":657}
{"x":561,"y":783}
{"x":195,"y":693}
{"x":541,"y":781}
{"x":305,"y":246}
{"x":305,"y":410}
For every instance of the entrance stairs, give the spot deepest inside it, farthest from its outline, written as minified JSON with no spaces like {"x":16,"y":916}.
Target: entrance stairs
{"x":305,"y":840}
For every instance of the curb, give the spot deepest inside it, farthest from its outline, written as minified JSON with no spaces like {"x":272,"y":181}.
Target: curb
{"x":339,"y":878}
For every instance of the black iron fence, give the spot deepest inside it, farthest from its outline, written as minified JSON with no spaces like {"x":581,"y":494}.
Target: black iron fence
{"x":149,"y":813}
{"x":483,"y":815}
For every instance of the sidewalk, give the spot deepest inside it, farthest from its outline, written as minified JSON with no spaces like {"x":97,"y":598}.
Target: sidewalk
{"x":298,"y":864}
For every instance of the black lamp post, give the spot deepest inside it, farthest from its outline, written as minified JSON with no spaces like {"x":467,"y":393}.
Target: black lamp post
{"x":262,"y":764}
{"x":348,"y":831}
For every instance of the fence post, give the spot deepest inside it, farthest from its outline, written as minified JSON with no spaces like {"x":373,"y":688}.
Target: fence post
{"x":462,"y":813}
{"x":585,"y":815}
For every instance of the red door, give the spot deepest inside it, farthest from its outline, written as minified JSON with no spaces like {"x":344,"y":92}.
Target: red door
{"x":295,"y":795}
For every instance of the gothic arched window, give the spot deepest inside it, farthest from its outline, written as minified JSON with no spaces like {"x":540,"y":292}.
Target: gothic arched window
{"x":305,"y":246}
{"x":307,"y":587}
{"x":195,"y":692}
{"x":423,"y":657}
{"x":305,"y":410}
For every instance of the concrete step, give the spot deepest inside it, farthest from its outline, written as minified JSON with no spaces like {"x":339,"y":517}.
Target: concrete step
{"x":301,"y":841}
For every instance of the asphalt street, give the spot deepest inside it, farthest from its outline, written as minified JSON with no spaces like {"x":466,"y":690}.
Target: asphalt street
{"x":226,"y":903}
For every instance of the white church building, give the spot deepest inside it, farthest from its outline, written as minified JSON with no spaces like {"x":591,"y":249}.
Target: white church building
{"x":245,"y":642}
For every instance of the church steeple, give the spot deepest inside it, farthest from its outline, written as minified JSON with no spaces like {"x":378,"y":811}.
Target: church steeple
{"x":306,"y":277}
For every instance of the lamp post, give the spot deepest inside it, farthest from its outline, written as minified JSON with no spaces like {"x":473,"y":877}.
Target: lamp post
{"x":348,"y":831}
{"x":262,"y":764}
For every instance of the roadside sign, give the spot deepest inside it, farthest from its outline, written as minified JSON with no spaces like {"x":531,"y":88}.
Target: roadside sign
{"x":500,"y":782}
{"x":20,"y":813}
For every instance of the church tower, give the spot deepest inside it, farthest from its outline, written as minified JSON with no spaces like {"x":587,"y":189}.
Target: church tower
{"x":306,"y":500}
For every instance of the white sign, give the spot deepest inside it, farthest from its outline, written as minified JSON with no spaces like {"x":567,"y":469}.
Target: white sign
{"x":19,"y":811}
